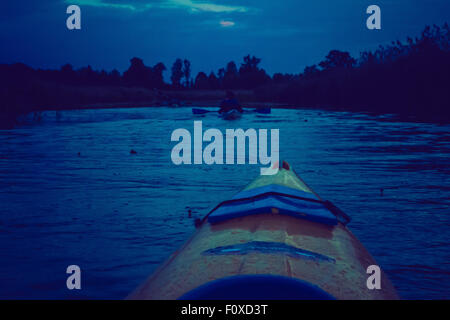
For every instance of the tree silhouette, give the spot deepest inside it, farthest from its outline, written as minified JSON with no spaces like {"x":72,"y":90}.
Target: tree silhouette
{"x":177,"y":73}
{"x":137,"y":74}
{"x":220,"y":77}
{"x":187,"y":72}
{"x":114,"y":77}
{"x":213,"y":82}
{"x":67,"y":74}
{"x":87,"y":75}
{"x":250,"y":64}
{"x":310,"y":71}
{"x":157,"y":75}
{"x":231,"y":76}
{"x":201,"y":81}
{"x":251,"y":76}
{"x":279,"y":78}
{"x":337,"y":59}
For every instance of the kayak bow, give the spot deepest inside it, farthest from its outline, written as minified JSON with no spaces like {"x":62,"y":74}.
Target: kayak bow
{"x":276,"y":239}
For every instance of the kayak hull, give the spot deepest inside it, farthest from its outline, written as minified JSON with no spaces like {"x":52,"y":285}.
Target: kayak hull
{"x":231,"y":115}
{"x":328,"y":259}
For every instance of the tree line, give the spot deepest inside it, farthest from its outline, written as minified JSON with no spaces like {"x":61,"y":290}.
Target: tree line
{"x":407,"y":77}
{"x":411,"y":78}
{"x":248,"y":76}
{"x":432,"y":43}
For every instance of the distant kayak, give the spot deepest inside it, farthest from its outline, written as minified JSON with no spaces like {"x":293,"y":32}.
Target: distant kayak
{"x":276,"y":239}
{"x":231,"y":115}
{"x":198,"y":111}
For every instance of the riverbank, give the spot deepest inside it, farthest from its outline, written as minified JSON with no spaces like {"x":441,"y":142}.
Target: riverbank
{"x":54,"y":97}
{"x":37,"y":97}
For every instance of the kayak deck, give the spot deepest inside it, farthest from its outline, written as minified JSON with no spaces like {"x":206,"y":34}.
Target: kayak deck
{"x":190,"y":267}
{"x":328,"y":258}
{"x":283,"y":193}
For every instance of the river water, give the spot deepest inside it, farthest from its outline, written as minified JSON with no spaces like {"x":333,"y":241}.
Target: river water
{"x":72,"y":193}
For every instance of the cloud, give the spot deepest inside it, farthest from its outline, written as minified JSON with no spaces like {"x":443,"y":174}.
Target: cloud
{"x":206,"y":6}
{"x":225,"y":23}
{"x":140,"y":5}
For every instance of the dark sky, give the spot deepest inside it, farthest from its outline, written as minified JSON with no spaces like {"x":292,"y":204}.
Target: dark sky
{"x":287,"y":34}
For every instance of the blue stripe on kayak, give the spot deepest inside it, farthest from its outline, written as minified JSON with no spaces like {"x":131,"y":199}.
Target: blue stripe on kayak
{"x":268,"y":248}
{"x":274,"y":188}
{"x":304,"y":209}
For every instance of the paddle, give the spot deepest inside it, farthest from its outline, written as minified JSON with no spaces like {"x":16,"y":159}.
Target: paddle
{"x":202,"y":111}
{"x":257,"y":110}
{"x":262,"y":110}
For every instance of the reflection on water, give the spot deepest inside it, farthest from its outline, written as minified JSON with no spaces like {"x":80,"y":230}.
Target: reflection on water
{"x":71,"y":193}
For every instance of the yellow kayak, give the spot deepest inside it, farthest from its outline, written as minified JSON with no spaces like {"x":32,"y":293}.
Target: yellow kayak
{"x":276,"y":239}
